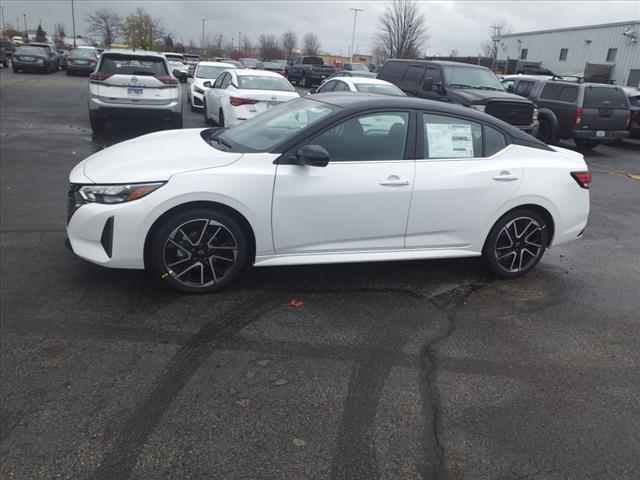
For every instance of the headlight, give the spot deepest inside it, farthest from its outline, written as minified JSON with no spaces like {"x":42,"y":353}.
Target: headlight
{"x":535,"y":113}
{"x":116,"y":193}
{"x":480,"y":108}
{"x":197,"y":89}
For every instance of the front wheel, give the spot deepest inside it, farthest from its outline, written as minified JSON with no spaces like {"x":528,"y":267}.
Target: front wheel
{"x":516,"y":243}
{"x":199,"y":251}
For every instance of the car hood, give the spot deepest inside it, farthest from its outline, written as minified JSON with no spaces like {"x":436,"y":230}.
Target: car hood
{"x":483,"y":96}
{"x":153,"y":157}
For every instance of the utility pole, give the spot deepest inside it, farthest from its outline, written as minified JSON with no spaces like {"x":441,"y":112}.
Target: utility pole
{"x":496,"y":31}
{"x":26,"y":32}
{"x":240,"y":41}
{"x":73,"y":22}
{"x":353,"y":35}
{"x":2,"y":15}
{"x":203,"y":19}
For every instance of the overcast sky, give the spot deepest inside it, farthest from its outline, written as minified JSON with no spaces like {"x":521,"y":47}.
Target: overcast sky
{"x":459,"y":25}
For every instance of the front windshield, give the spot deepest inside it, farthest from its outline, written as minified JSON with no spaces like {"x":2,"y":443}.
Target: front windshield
{"x":210,"y":72}
{"x":266,"y":130}
{"x":379,"y":89}
{"x":258,"y":82}
{"x":30,"y":51}
{"x":359,"y":67}
{"x":471,"y":77}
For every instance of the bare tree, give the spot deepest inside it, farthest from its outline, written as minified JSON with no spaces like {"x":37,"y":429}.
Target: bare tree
{"x":141,"y":30}
{"x":59,"y":32}
{"x":310,"y":44}
{"x":269,"y":48}
{"x":246,"y":46}
{"x":218,"y":45}
{"x":489,"y":47}
{"x":403,"y":30}
{"x":106,"y":24}
{"x":289,"y":41}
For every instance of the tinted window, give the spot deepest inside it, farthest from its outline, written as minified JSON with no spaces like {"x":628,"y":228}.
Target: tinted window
{"x":551,"y":91}
{"x":132,"y":65}
{"x":257,"y":82}
{"x":450,"y":137}
{"x":413,"y":76}
{"x":568,"y":94}
{"x":377,"y":136}
{"x":226,"y":80}
{"x":494,"y":141}
{"x":508,"y":85}
{"x":313,"y":61}
{"x":596,"y":97}
{"x":393,"y":70}
{"x":524,"y":88}
{"x":219,"y":80}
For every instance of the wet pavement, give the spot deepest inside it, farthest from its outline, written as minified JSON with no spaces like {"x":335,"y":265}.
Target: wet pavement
{"x":401,"y":370}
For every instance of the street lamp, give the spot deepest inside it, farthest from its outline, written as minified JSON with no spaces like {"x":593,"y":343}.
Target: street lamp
{"x":353,"y":35}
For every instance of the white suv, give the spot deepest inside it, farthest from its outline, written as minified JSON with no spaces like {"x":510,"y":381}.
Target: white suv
{"x":128,"y":84}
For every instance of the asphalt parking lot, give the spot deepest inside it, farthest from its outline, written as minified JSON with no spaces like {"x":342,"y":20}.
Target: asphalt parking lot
{"x":400,"y":370}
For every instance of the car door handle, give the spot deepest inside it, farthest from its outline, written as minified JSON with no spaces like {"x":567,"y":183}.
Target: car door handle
{"x":394,"y":181}
{"x":505,"y":177}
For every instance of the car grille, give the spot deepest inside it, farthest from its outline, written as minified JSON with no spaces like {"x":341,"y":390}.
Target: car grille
{"x":520,"y":114}
{"x":74,"y":201}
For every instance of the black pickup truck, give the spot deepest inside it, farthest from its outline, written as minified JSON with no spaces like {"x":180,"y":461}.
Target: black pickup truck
{"x":308,"y":71}
{"x":468,"y":85}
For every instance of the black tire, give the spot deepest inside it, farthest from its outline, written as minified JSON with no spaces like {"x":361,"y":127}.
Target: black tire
{"x":585,"y":144}
{"x":15,"y":70}
{"x":176,"y":122}
{"x":545,"y":133}
{"x":221,"y":118}
{"x":166,"y":254}
{"x":5,"y":64}
{"x":207,"y":120}
{"x":98,"y":125}
{"x":521,"y":256}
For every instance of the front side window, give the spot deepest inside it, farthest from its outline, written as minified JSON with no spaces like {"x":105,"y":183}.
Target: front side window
{"x":375,"y":136}
{"x":219,"y":80}
{"x":226,"y":80}
{"x":563,"y":54}
{"x":450,"y":137}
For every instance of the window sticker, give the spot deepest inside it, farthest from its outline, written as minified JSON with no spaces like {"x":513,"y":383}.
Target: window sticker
{"x":448,"y":140}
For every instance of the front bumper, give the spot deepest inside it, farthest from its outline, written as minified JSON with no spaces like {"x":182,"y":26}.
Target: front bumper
{"x":33,"y":67}
{"x":608,"y":135}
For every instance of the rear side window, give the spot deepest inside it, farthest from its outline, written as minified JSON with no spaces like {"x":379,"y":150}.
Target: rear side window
{"x":450,"y":137}
{"x":413,"y":76}
{"x":393,"y":71}
{"x":551,"y":91}
{"x":568,"y":94}
{"x":596,"y":97}
{"x":132,"y":65}
{"x":494,"y":141}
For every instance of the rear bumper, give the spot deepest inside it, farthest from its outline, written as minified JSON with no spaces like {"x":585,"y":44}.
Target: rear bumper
{"x":593,"y":135}
{"x":40,"y":67}
{"x":96,"y":104}
{"x":81,"y":68}
{"x":118,"y":113}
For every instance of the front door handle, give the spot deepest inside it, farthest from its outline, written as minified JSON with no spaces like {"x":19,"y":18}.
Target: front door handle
{"x":394,"y":181}
{"x":505,"y":176}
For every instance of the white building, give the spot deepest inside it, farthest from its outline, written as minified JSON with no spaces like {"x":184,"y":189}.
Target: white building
{"x":613,"y":48}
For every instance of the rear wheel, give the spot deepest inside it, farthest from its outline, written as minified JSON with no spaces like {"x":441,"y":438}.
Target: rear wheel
{"x":98,"y":125}
{"x":545,"y":133}
{"x":199,"y":251}
{"x":585,"y":144}
{"x":516,"y":243}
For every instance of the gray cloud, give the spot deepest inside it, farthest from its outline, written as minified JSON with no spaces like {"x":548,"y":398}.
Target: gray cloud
{"x":460,"y":25}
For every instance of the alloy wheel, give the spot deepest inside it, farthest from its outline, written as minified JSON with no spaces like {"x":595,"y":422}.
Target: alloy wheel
{"x":200,"y":253}
{"x":519,"y":244}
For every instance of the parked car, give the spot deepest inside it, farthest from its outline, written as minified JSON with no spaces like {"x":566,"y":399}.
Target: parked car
{"x":249,"y":62}
{"x":3,"y":57}
{"x":52,"y":53}
{"x":8,"y":49}
{"x":375,"y":69}
{"x":358,"y":84}
{"x":299,"y":184}
{"x":177,"y":65}
{"x":240,"y":94}
{"x":349,"y":73}
{"x":633,"y":96}
{"x":130,"y":84}
{"x":81,"y":60}
{"x":467,"y":85}
{"x":271,"y":67}
{"x":201,"y":81}
{"x":588,"y":113}
{"x":33,"y":59}
{"x":191,"y":60}
{"x":308,"y":71}
{"x":356,"y":67}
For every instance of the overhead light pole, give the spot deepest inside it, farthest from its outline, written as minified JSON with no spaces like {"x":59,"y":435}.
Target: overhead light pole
{"x":353,"y":35}
{"x":239,"y":41}
{"x":203,"y":19}
{"x":73,"y":23}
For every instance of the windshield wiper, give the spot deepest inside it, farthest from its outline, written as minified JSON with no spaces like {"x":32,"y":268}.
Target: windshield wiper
{"x":483,"y":87}
{"x":460,"y":85}
{"x":222,"y":142}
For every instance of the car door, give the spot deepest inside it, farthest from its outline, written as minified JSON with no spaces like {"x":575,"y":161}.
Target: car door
{"x":216,"y":94}
{"x":465,"y":172}
{"x":360,"y":200}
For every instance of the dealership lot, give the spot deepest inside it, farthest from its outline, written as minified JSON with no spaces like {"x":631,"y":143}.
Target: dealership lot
{"x":394,"y":370}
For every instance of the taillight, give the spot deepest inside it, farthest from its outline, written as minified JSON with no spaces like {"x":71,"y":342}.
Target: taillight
{"x":99,"y":76}
{"x":167,"y":79}
{"x":583,"y":178}
{"x":236,"y":101}
{"x":41,"y":58}
{"x":577,"y":117}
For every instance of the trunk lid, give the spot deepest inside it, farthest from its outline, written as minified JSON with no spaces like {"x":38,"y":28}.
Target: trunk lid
{"x":604,"y":108}
{"x":135,"y":89}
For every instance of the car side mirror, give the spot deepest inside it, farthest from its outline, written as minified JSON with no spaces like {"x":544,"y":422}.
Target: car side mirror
{"x":427,"y":84}
{"x":313,"y":155}
{"x":207,"y":84}
{"x":510,"y":88}
{"x":178,"y":74}
{"x":313,"y":90}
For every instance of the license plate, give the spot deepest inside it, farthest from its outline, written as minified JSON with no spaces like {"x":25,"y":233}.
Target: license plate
{"x":322,"y":77}
{"x":80,"y":62}
{"x":134,"y":91}
{"x":272,"y":104}
{"x":27,"y":59}
{"x":600,"y":133}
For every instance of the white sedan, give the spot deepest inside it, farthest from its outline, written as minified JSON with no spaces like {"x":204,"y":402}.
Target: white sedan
{"x":240,"y":94}
{"x":204,"y":75}
{"x":359,"y":84}
{"x":327,"y":178}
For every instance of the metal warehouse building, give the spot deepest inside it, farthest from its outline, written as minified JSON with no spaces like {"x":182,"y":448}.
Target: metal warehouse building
{"x":610,"y":50}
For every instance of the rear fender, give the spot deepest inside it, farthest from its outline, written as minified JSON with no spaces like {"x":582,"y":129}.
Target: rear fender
{"x":550,"y":117}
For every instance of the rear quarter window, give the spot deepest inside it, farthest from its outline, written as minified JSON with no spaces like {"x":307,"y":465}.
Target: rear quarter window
{"x":413,"y":75}
{"x":551,"y":91}
{"x":568,"y":94}
{"x":596,"y":97}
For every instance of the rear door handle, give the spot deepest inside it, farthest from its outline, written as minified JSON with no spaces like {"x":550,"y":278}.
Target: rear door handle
{"x":394,"y":181}
{"x":505,"y":177}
